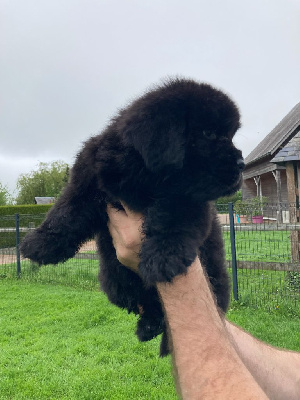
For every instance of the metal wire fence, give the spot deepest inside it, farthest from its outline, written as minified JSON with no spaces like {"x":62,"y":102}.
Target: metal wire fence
{"x":80,"y":271}
{"x":267,"y":253}
{"x":263,"y":258}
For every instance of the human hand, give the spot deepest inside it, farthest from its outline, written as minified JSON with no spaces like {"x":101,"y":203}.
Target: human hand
{"x":125,"y":227}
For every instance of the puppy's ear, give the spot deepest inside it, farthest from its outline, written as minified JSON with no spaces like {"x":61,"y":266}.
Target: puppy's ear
{"x":159,"y":136}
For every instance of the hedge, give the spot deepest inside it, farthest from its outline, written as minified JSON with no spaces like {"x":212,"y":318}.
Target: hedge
{"x":31,"y":209}
{"x":8,"y":239}
{"x":30,"y":215}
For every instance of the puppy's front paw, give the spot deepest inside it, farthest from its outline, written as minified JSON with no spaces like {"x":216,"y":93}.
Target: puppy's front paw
{"x":163,"y":259}
{"x":45,"y":248}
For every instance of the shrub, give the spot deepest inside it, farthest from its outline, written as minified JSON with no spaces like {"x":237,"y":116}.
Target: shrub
{"x":242,"y":208}
{"x":257,"y":204}
{"x":222,"y":202}
{"x":253,"y":206}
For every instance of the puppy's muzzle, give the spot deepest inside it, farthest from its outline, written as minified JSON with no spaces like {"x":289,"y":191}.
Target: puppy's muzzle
{"x":241,"y":164}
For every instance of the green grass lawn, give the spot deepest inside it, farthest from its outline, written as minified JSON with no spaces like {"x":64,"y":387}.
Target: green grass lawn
{"x":75,"y":272}
{"x":268,"y":246}
{"x":279,"y":327}
{"x":268,"y":289}
{"x":67,"y":343}
{"x":264,"y":288}
{"x":60,"y":342}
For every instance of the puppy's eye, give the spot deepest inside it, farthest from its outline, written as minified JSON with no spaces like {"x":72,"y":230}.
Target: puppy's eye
{"x":209,"y":135}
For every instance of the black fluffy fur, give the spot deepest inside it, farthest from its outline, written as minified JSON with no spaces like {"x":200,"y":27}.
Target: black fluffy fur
{"x":169,"y":154}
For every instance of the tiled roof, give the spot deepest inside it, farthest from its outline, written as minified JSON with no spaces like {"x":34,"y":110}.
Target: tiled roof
{"x":278,"y":137}
{"x":290,"y":152}
{"x":44,"y":200}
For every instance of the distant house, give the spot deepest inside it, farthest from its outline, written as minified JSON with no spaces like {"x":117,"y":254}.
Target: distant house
{"x":44,"y":200}
{"x":273,"y":167}
{"x":273,"y":170}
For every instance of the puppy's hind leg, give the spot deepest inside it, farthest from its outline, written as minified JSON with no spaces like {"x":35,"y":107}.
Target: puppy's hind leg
{"x":151,"y":322}
{"x":126,"y":290}
{"x":121,"y":285}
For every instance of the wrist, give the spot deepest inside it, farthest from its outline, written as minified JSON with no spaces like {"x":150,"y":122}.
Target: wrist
{"x":206,"y":364}
{"x":188,"y":295}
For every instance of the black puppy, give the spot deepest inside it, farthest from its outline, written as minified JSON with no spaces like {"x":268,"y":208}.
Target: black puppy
{"x":167,"y":155}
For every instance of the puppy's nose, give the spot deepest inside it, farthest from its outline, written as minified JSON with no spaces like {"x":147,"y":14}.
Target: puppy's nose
{"x":241,"y":164}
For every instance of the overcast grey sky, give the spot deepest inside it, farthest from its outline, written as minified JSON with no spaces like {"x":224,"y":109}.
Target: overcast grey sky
{"x":68,"y":65}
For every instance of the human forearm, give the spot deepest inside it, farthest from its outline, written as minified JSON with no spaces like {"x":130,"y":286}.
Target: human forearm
{"x":205,"y":362}
{"x":211,"y":362}
{"x":277,"y":371}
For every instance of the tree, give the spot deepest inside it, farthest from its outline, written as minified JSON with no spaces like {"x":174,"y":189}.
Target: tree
{"x":47,"y":181}
{"x":5,"y":197}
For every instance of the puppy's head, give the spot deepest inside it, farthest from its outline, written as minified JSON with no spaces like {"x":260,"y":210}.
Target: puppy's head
{"x":212,"y":161}
{"x":187,"y":127}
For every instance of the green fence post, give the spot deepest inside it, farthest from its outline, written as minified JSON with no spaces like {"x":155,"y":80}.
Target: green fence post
{"x":18,"y":246}
{"x":233,"y":253}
